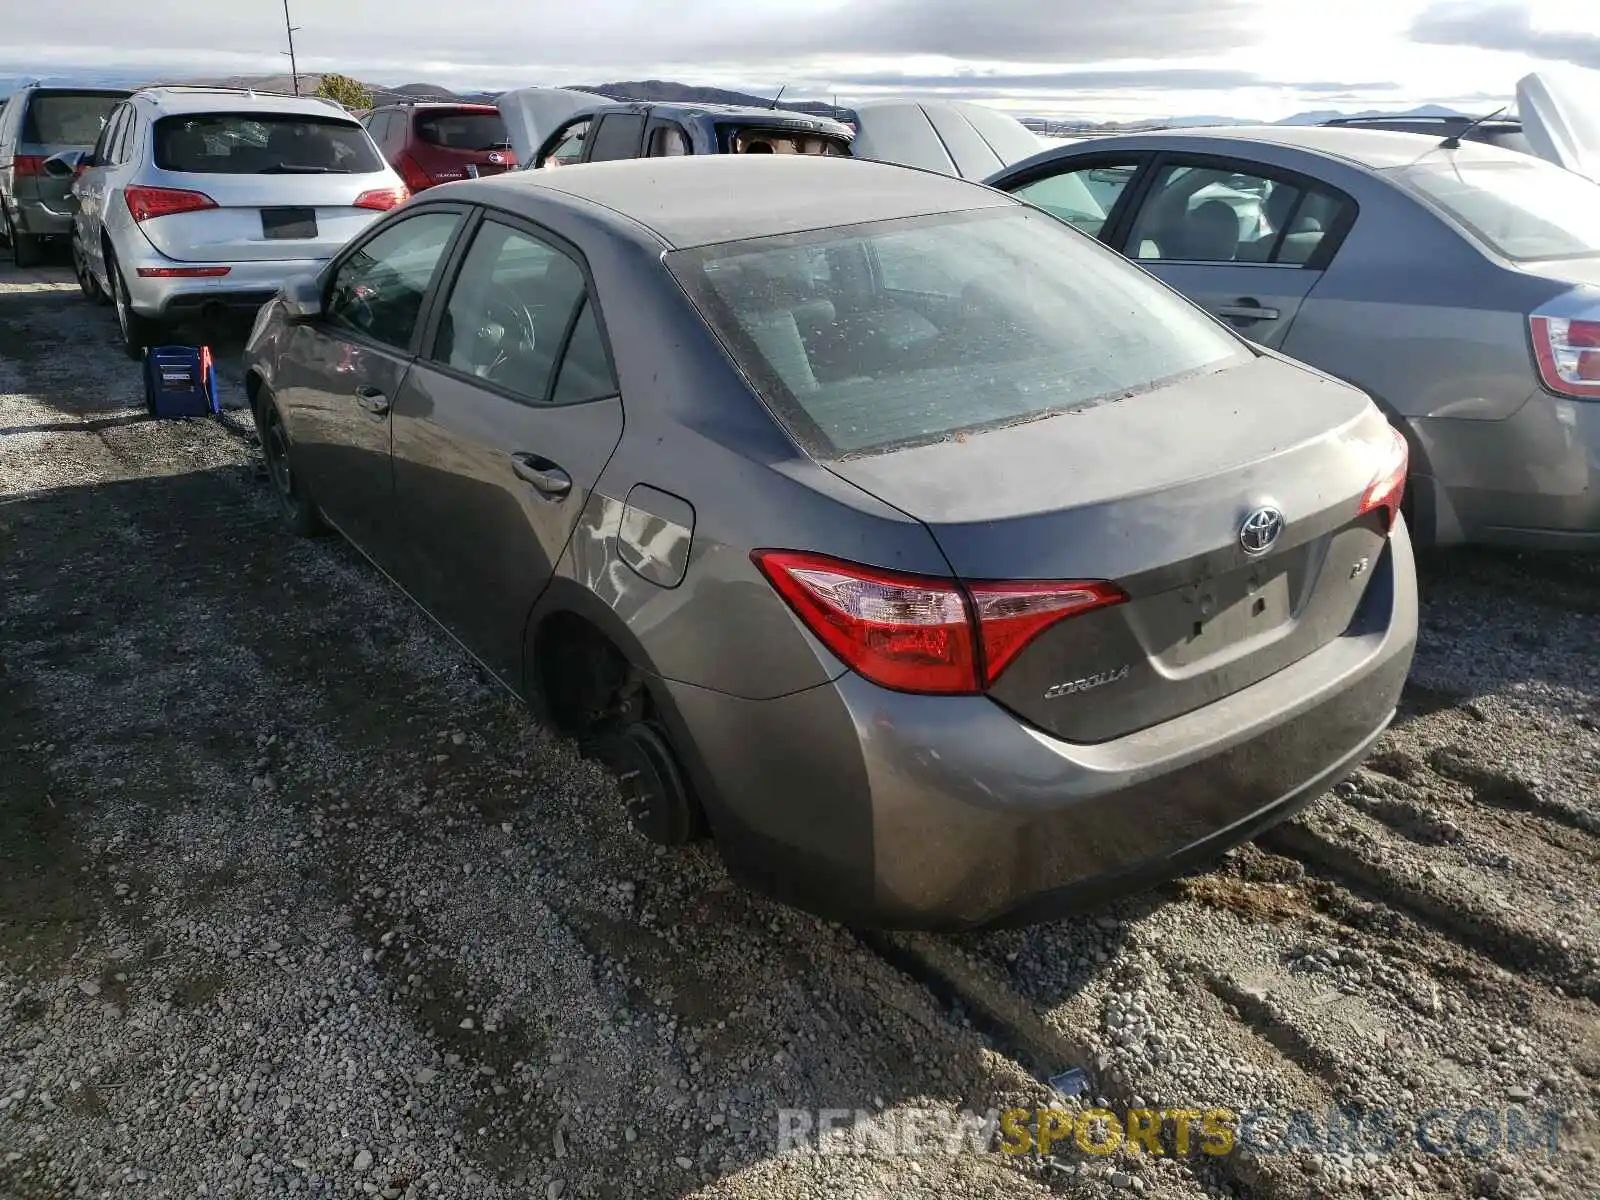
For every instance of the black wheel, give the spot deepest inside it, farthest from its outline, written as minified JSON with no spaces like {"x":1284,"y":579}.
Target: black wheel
{"x":653,"y":790}
{"x":135,"y":332}
{"x":295,"y":507}
{"x":25,"y":248}
{"x":87,"y":283}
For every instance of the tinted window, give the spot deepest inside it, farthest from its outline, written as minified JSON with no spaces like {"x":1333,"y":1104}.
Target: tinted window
{"x":1522,"y":209}
{"x":617,"y":137}
{"x":509,"y":311}
{"x":263,"y":144}
{"x":570,"y":148}
{"x":1014,"y":317}
{"x":585,"y":372}
{"x":463,"y":131}
{"x":66,"y":118}
{"x":1220,"y":214}
{"x":378,"y":290}
{"x":1084,"y":197}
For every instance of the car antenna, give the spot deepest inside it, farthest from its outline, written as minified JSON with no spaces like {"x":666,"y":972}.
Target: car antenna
{"x":778,"y":97}
{"x":1453,"y":142}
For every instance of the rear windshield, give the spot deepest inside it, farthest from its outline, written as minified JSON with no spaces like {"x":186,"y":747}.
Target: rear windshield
{"x":1522,"y":210}
{"x":463,"y":130}
{"x":263,"y":144}
{"x":67,"y":118}
{"x":745,"y":139}
{"x":898,"y":332}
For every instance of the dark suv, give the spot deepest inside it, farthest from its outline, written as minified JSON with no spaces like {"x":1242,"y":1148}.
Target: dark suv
{"x":35,"y":124}
{"x":635,"y":130}
{"x":435,"y":143}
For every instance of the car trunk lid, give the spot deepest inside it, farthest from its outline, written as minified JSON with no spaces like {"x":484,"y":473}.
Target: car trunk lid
{"x":57,"y":121}
{"x":261,"y":218}
{"x":950,"y":137}
{"x":532,"y":114}
{"x":1560,"y":113}
{"x":1145,"y":493}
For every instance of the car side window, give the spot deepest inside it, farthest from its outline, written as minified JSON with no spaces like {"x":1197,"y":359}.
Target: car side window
{"x":100,"y":156}
{"x":667,"y":140}
{"x":1223,"y":214}
{"x":585,"y":371}
{"x":378,"y":291}
{"x":569,"y":148}
{"x":122,"y":150}
{"x":510,"y":311}
{"x":1083,"y":197}
{"x":617,"y":136}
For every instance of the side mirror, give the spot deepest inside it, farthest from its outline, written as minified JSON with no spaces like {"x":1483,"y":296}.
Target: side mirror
{"x":66,"y":164}
{"x":302,"y":298}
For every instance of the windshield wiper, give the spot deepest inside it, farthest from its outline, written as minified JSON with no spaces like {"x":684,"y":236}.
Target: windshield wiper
{"x":299,"y":169}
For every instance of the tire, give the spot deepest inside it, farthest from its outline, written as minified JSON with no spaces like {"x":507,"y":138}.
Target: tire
{"x":25,"y":248}
{"x":87,"y":283}
{"x":295,"y":507}
{"x":135,"y":332}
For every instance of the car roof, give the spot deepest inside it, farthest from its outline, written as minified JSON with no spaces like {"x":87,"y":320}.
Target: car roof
{"x":176,"y":101}
{"x":695,"y":200}
{"x":459,"y":105}
{"x":1375,"y":149}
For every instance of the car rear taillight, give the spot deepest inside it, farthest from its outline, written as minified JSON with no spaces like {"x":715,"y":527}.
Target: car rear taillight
{"x":1567,"y":350}
{"x":412,"y":174}
{"x":916,"y":633}
{"x":27,"y":166}
{"x":147,"y":203}
{"x":383,"y":199}
{"x":1388,"y":480}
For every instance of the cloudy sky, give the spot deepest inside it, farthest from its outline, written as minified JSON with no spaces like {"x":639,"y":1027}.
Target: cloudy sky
{"x":1116,"y":59}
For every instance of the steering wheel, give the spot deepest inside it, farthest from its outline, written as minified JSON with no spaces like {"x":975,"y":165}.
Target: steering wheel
{"x":504,"y":327}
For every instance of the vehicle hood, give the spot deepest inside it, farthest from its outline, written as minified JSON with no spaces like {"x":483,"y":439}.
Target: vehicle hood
{"x":952,"y":137}
{"x":532,"y":114}
{"x":1560,"y":112}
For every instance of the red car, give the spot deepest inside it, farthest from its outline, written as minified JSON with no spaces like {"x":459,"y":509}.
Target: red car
{"x":430,"y":143}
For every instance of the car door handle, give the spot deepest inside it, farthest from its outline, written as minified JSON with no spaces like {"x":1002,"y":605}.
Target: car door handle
{"x":1246,"y":309}
{"x":371,"y":399}
{"x":543,"y":474}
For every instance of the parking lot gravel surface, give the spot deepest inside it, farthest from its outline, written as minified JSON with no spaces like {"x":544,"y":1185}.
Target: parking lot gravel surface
{"x":295,"y":902}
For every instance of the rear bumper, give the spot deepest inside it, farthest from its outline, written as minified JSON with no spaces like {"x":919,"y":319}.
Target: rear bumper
{"x":246,"y":286}
{"x":35,"y":218}
{"x":1531,"y":480}
{"x":875,"y":807}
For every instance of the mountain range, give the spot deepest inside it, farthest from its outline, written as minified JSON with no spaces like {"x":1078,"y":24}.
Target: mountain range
{"x":666,"y":91}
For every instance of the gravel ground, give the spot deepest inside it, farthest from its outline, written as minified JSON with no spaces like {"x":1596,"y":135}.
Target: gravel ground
{"x":294,"y":902}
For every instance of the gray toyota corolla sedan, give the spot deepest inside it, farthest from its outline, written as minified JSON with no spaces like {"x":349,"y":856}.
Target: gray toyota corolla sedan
{"x":1459,"y":286}
{"x":948,"y":568}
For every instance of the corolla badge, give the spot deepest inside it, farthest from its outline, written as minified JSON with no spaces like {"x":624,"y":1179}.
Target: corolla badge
{"x":1071,"y":687}
{"x":1261,"y":530}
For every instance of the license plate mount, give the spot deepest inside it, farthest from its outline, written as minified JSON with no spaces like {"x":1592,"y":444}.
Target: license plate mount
{"x":287,"y":224}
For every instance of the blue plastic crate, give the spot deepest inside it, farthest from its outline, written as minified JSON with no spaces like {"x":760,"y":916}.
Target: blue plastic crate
{"x":180,"y":381}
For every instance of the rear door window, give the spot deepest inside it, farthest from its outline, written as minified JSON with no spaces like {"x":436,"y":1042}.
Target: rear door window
{"x":617,"y":137}
{"x":66,"y":118}
{"x":462,"y":130}
{"x":511,"y":313}
{"x":897,"y":332}
{"x":1230,"y":214}
{"x":262,"y":144}
{"x":1521,"y":209}
{"x":377,"y":292}
{"x":667,"y":139}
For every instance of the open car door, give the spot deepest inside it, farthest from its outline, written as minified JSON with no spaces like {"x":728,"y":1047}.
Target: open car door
{"x":953,"y":137}
{"x":532,"y":114}
{"x":1560,"y":112}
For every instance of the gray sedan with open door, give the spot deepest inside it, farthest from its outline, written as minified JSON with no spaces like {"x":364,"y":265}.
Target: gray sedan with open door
{"x":944,"y":566}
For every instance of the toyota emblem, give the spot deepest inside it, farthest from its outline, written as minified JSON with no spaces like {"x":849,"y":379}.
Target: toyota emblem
{"x":1261,"y":530}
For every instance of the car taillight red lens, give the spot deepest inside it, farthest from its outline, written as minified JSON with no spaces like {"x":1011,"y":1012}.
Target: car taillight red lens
{"x":383,"y":199}
{"x":916,"y":633}
{"x":1389,"y":479}
{"x":147,"y":203}
{"x":1568,"y":353}
{"x":412,"y":174}
{"x":183,"y":272}
{"x":28,"y":165}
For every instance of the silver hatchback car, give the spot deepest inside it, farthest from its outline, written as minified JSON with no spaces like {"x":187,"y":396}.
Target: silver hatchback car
{"x":197,"y":199}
